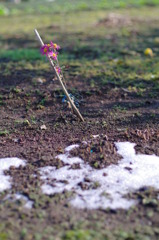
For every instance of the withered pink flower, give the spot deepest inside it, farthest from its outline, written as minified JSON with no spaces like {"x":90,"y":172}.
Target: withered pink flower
{"x":58,"y":69}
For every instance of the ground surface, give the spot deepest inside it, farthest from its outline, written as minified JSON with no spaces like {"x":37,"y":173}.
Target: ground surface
{"x":103,"y":51}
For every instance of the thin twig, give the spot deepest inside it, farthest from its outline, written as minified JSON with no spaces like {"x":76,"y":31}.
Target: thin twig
{"x":60,"y":80}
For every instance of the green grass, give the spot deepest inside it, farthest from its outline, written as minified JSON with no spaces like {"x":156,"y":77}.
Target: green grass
{"x":3,"y":236}
{"x":21,"y":54}
{"x":60,"y":6}
{"x":82,"y":235}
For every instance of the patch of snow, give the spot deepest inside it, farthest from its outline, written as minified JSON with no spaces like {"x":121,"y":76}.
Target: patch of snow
{"x":5,"y":164}
{"x":112,"y":183}
{"x":95,"y":136}
{"x":18,"y":196}
{"x":71,"y":147}
{"x":70,"y":160}
{"x":28,"y":203}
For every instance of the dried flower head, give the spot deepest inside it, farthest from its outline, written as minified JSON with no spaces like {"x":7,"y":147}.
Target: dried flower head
{"x":58,"y":69}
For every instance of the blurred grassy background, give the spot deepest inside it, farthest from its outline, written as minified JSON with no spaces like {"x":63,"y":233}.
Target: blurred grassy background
{"x":97,"y":50}
{"x":61,"y":6}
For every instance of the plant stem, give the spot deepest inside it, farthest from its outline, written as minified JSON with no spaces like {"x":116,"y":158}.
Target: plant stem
{"x":60,"y":80}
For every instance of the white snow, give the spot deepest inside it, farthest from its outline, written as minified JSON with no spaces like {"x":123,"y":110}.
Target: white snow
{"x":18,"y":196}
{"x":6,"y":181}
{"x":95,"y":136}
{"x":5,"y":164}
{"x":68,"y":149}
{"x":27,"y":203}
{"x":132,"y":172}
{"x":65,"y":157}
